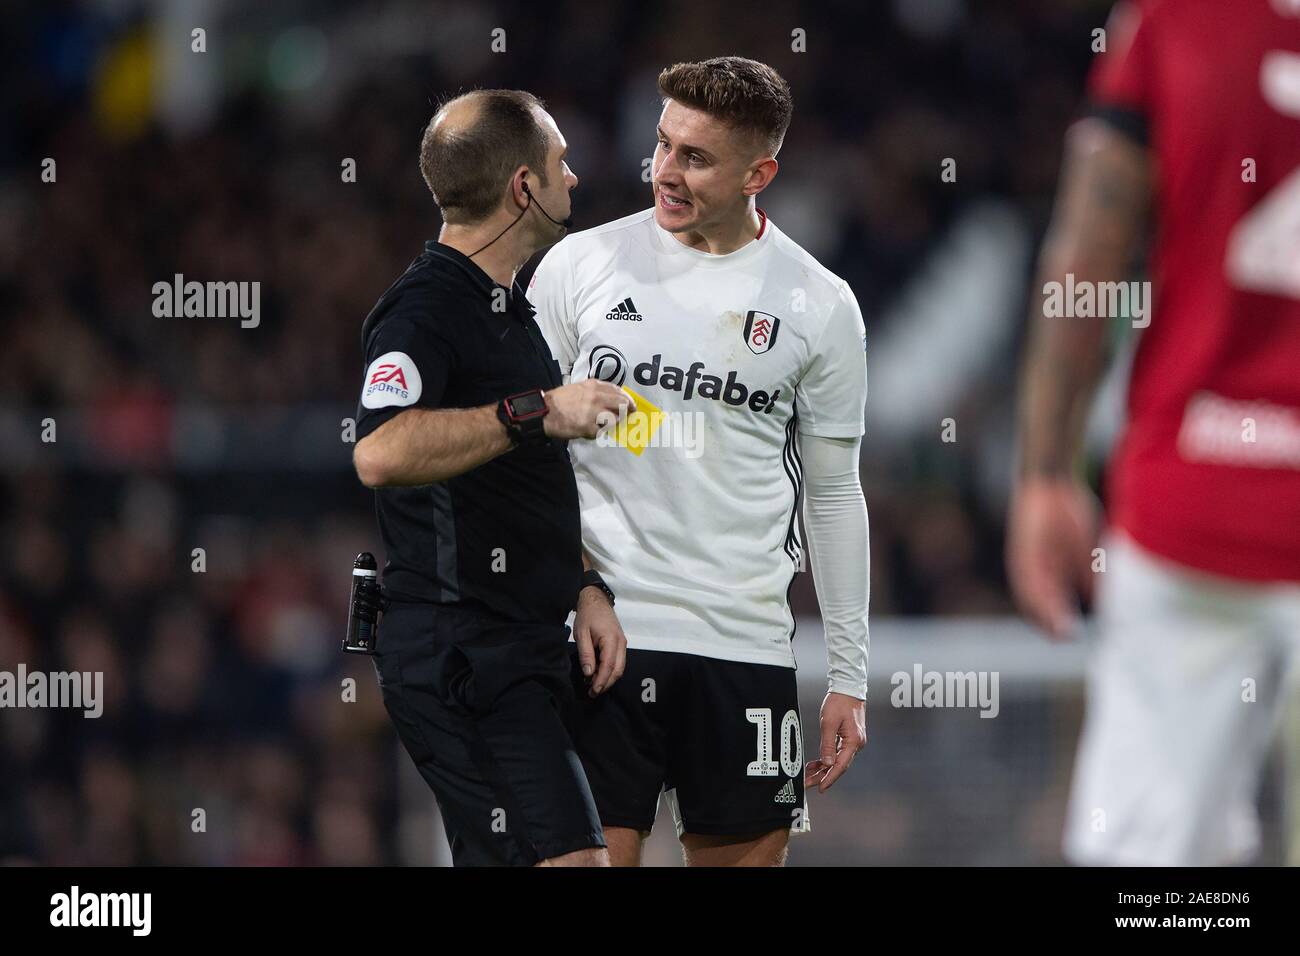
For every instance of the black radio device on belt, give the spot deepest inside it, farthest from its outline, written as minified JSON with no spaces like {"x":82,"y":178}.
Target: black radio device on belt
{"x":364,"y":607}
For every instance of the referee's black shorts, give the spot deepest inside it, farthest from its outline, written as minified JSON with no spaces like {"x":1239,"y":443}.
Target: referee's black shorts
{"x":480,"y":705}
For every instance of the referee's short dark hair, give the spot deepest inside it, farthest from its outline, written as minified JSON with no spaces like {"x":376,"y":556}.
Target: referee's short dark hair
{"x":466,"y":166}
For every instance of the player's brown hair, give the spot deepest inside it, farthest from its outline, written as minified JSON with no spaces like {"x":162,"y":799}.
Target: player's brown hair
{"x":745,"y":94}
{"x":466,"y":168}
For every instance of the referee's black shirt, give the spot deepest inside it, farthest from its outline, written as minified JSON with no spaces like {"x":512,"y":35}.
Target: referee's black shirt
{"x":503,"y":537}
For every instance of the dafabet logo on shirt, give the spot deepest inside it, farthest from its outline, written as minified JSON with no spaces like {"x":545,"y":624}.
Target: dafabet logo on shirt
{"x":391,"y":380}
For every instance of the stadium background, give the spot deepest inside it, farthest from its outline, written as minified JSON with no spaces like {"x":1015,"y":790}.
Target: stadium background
{"x":223,"y":687}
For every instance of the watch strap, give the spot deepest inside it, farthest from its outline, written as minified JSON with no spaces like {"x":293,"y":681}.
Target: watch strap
{"x":592,"y":579}
{"x":527,"y":429}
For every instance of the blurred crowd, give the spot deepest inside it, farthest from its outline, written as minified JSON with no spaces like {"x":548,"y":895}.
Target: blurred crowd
{"x":227,"y":735}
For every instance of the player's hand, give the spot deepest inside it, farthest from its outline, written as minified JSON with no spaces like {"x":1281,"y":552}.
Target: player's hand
{"x":602,"y":648}
{"x":581,"y":409}
{"x":844,"y":733}
{"x":1051,"y":531}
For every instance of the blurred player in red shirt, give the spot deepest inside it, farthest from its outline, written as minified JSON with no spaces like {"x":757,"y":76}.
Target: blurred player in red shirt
{"x":1193,"y":127}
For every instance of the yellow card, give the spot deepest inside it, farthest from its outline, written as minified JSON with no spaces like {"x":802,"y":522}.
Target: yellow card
{"x":636,"y":430}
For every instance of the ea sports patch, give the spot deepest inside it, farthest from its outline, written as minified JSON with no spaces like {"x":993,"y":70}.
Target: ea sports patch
{"x":392,"y":379}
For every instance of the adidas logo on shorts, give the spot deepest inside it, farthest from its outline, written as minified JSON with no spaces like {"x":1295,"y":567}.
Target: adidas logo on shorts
{"x":785,"y":794}
{"x":625,"y":310}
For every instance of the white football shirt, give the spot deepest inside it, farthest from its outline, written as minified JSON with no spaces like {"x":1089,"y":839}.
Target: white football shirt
{"x":689,"y":511}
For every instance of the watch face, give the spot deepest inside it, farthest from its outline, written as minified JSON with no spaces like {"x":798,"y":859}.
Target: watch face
{"x":523,"y":406}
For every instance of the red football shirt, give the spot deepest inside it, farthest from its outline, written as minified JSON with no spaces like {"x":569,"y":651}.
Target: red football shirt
{"x":1208,"y":470}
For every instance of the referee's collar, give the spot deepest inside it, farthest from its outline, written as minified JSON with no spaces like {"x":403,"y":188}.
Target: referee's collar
{"x":514,"y":296}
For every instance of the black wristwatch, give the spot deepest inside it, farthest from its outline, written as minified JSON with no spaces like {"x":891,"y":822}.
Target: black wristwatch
{"x":592,"y":579}
{"x":522,"y":415}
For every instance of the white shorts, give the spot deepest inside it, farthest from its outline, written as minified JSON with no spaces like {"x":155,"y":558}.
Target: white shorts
{"x":1185,"y":689}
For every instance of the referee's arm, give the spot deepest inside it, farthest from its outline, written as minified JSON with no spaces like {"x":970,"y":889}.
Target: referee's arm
{"x":421,"y":445}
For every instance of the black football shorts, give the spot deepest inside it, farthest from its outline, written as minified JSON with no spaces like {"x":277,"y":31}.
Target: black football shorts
{"x":479,"y":703}
{"x":721,"y":738}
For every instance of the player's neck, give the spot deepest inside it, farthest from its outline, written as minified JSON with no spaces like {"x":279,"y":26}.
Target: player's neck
{"x":501,"y":260}
{"x":725,"y":237}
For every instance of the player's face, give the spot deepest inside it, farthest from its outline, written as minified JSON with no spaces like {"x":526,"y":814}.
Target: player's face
{"x":554,"y":197}
{"x":701,"y":167}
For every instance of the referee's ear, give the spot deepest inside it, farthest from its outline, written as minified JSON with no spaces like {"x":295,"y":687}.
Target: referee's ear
{"x":520,"y":188}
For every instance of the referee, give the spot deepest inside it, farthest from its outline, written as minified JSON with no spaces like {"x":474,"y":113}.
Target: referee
{"x":462,"y":429}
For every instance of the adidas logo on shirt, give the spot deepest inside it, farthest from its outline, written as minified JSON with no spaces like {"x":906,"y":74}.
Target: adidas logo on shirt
{"x":625,"y":310}
{"x":786,"y":793}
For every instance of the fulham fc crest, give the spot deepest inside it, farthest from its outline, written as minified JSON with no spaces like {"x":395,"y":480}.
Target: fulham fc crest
{"x":760,"y":331}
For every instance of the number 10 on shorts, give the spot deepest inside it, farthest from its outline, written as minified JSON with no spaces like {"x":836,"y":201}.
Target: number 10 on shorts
{"x":791,"y":744}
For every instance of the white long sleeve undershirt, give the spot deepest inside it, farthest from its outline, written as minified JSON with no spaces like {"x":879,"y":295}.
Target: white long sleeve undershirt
{"x":835,"y":519}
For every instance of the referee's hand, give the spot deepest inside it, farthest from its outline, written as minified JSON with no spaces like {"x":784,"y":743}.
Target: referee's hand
{"x":581,"y":409}
{"x":602,"y":648}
